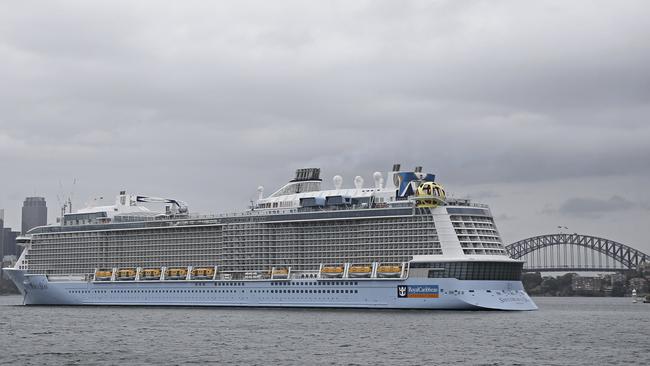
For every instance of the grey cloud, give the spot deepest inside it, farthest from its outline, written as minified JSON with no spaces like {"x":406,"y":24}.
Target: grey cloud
{"x":485,"y":194}
{"x":206,"y":101}
{"x":595,"y":206}
{"x":504,"y":217}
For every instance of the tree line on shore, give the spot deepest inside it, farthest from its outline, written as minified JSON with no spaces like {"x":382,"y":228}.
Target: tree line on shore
{"x":611,"y":285}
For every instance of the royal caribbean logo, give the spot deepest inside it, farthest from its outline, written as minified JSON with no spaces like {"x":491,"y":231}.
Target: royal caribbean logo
{"x":402,"y":291}
{"x":423,"y":291}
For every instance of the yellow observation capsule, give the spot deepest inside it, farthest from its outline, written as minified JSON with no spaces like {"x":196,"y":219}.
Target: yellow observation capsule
{"x":430,"y":194}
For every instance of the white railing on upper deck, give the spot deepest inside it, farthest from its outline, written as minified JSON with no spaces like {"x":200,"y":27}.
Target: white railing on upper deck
{"x":410,"y":202}
{"x":466,"y":203}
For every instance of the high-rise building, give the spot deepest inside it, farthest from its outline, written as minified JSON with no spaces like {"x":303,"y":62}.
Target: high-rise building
{"x":2,"y":226}
{"x":9,"y":246}
{"x":8,"y":240}
{"x":34,"y":213}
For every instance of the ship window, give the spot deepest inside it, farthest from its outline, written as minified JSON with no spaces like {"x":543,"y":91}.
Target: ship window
{"x":496,"y":271}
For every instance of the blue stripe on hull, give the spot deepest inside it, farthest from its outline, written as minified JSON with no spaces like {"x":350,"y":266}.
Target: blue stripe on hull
{"x":349,"y":293}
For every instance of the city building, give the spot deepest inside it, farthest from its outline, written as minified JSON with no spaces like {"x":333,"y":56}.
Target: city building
{"x":8,"y":237}
{"x":2,"y":226}
{"x":9,"y":247}
{"x":34,"y":213}
{"x":586,"y":284}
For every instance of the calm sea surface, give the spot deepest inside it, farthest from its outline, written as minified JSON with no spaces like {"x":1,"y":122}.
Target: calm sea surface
{"x":565,"y":331}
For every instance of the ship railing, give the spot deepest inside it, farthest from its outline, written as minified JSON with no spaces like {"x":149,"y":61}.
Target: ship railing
{"x":187,"y":218}
{"x":466,"y":203}
{"x":273,"y":275}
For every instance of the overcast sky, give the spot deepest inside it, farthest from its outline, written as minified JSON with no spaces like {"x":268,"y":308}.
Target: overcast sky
{"x":540,"y":109}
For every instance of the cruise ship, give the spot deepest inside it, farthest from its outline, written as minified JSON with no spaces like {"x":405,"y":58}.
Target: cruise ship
{"x":398,"y":243}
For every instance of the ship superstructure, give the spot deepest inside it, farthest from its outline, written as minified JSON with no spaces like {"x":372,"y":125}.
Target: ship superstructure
{"x":400,"y":243}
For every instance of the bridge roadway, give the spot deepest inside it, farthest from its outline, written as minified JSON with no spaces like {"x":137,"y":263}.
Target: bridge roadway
{"x":573,"y":269}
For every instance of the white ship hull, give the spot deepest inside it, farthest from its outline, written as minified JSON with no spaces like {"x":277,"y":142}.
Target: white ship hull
{"x":412,"y":293}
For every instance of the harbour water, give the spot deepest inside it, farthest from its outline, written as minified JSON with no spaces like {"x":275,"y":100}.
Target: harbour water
{"x":564,"y":331}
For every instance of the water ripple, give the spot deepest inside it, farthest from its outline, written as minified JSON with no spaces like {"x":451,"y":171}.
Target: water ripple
{"x":564,"y":331}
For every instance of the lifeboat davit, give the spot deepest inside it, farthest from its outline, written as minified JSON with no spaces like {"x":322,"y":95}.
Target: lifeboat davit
{"x":103,"y":275}
{"x":150,"y":274}
{"x":389,"y":271}
{"x":359,"y":271}
{"x":176,"y":274}
{"x":280,"y":273}
{"x":202,"y":273}
{"x":331,"y":271}
{"x":125,"y":274}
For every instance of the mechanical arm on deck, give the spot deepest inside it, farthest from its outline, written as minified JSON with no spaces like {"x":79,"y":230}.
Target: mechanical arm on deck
{"x":182,"y":206}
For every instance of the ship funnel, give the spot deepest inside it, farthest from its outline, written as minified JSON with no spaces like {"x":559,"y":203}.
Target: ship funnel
{"x":358,"y":182}
{"x":378,"y":179}
{"x":307,"y":174}
{"x":396,"y":167}
{"x":260,"y":192}
{"x":418,"y":169}
{"x":338,"y":181}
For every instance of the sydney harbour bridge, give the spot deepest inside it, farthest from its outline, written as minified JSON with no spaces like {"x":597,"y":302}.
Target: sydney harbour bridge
{"x":574,"y":253}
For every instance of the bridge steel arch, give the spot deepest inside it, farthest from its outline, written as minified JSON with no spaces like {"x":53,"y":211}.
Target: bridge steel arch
{"x":628,"y":256}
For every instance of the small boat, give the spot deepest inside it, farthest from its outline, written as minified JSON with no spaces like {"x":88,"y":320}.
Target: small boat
{"x":176,"y":273}
{"x":389,"y":271}
{"x":202,"y":273}
{"x":280,"y":273}
{"x":103,"y":275}
{"x":125,"y":274}
{"x":331,"y":271}
{"x":253,"y":276}
{"x":150,"y":274}
{"x":360,"y":271}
